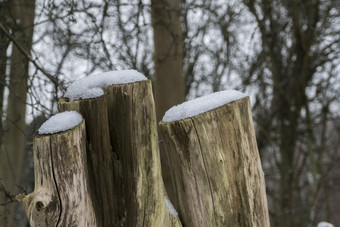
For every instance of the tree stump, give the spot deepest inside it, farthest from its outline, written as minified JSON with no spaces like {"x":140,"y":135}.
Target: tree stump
{"x":133,"y":131}
{"x":60,"y":196}
{"x":99,"y":156}
{"x":216,"y":168}
{"x":124,"y":117}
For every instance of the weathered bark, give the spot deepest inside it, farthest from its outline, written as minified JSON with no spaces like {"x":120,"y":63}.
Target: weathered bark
{"x":168,"y":61}
{"x":21,"y":13}
{"x":61,"y":196}
{"x":99,"y":156}
{"x":216,"y":168}
{"x":133,"y":131}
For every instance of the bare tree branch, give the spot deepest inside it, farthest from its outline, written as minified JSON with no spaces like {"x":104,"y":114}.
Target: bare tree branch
{"x":52,"y":78}
{"x":11,"y":197}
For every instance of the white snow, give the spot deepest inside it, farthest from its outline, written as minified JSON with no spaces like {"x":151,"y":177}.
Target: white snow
{"x":325,"y":224}
{"x":202,"y":104}
{"x":91,"y":86}
{"x":61,"y":122}
{"x":171,"y":208}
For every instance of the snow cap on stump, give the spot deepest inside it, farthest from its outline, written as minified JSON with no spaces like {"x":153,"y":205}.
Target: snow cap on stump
{"x":91,"y":86}
{"x":201,"y":105}
{"x":60,"y":122}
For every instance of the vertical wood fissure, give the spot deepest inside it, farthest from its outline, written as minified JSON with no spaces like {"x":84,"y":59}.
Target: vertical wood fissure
{"x":133,"y":134}
{"x":55,"y":183}
{"x":205,"y":168}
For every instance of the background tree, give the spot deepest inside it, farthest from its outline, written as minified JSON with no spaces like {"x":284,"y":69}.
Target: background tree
{"x":21,"y":16}
{"x":295,"y":71}
{"x":168,"y":67}
{"x":211,"y":31}
{"x":168,"y":60}
{"x":4,"y":43}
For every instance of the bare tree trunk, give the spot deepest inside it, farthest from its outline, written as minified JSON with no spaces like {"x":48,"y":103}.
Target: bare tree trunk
{"x":13,"y":144}
{"x":218,"y":176}
{"x":61,"y":196}
{"x":4,"y":43}
{"x":168,"y":77}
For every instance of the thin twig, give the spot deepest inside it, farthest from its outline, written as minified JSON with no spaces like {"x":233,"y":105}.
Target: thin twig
{"x":29,"y":57}
{"x":11,"y":198}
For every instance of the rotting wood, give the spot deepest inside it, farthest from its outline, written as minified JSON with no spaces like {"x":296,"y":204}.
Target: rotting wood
{"x":61,"y":196}
{"x":133,"y":131}
{"x":216,"y":168}
{"x":99,"y":156}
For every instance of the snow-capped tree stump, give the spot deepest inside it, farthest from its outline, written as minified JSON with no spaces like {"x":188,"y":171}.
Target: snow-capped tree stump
{"x":216,"y":167}
{"x":125,"y":115}
{"x":112,"y":175}
{"x":133,"y":131}
{"x":99,"y":157}
{"x":61,"y":196}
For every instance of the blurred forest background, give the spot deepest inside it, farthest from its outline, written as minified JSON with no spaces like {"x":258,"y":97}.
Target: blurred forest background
{"x":285,"y":54}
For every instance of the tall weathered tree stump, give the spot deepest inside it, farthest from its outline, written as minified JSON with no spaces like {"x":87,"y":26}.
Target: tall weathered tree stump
{"x":217,"y":174}
{"x":99,"y":155}
{"x":133,"y":131}
{"x":123,"y":116}
{"x":61,"y":196}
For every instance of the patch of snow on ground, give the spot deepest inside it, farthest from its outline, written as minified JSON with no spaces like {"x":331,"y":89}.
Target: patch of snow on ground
{"x":91,"y":86}
{"x":202,"y":104}
{"x":325,"y":224}
{"x":171,"y":208}
{"x":60,"y":122}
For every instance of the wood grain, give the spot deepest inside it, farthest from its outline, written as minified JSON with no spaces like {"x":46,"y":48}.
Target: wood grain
{"x":133,"y":132}
{"x":99,"y":156}
{"x":217,"y":173}
{"x":61,"y":194}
